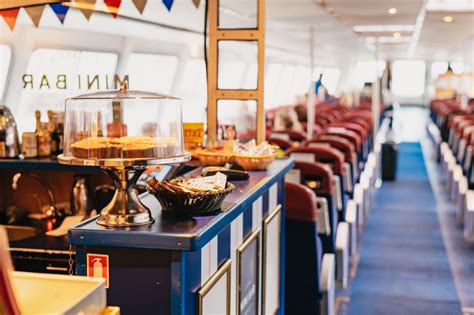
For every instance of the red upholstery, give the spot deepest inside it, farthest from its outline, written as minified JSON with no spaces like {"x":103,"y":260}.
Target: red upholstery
{"x":325,"y":155}
{"x":350,"y":135}
{"x":283,"y":144}
{"x":316,"y":169}
{"x":343,"y":145}
{"x":300,"y":203}
{"x":351,"y":126}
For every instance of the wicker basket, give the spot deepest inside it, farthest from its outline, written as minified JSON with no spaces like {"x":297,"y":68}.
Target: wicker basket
{"x":214,"y":158}
{"x":188,"y":202}
{"x":255,"y":162}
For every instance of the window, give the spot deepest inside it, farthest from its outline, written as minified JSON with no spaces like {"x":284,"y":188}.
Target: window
{"x":458,"y":67}
{"x":365,"y":71}
{"x":52,"y":75}
{"x":437,"y":68}
{"x":284,"y":96}
{"x":5,"y":58}
{"x":301,"y":81}
{"x":150,"y":72}
{"x":192,"y":89}
{"x":330,"y":79}
{"x":231,"y":74}
{"x":271,"y":83}
{"x":408,"y":78}
{"x":251,"y":77}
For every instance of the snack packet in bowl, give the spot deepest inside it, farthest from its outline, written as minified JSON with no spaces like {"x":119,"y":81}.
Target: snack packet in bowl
{"x":251,"y":148}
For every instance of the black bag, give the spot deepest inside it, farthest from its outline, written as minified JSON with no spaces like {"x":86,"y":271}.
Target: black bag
{"x":389,"y":160}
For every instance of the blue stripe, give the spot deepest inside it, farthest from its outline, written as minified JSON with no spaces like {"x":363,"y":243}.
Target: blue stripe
{"x":192,"y":281}
{"x":223,"y":245}
{"x":247,"y":222}
{"x":265,"y":205}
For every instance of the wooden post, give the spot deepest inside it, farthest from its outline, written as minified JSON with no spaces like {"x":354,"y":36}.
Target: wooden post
{"x":214,"y":93}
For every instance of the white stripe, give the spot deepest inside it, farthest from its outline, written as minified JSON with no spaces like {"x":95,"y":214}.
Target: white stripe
{"x":205,"y":263}
{"x":213,"y":255}
{"x":273,"y":197}
{"x":257,"y":207}
{"x":236,"y":235}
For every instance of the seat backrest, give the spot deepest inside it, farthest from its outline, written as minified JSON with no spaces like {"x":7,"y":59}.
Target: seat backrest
{"x":317,"y":175}
{"x":347,"y":134}
{"x":300,"y":203}
{"x":326,"y":155}
{"x":282,"y":143}
{"x":344,"y":145}
{"x":351,"y":126}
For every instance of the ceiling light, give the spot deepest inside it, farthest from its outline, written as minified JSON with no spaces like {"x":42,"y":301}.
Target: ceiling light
{"x":397,"y":35}
{"x":392,"y":11}
{"x":448,"y":18}
{"x":383,"y":28}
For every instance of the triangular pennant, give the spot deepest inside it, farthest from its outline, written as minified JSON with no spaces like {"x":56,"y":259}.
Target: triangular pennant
{"x":35,"y":13}
{"x":10,"y":16}
{"x":140,"y":5}
{"x":113,"y":6}
{"x":168,"y":4}
{"x":87,"y":7}
{"x":60,"y":11}
{"x":196,"y":3}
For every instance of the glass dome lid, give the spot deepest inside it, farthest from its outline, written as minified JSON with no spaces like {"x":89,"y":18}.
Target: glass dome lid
{"x":123,"y":94}
{"x":123,"y":128}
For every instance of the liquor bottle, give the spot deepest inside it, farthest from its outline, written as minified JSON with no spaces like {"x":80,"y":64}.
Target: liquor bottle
{"x":42,"y":137}
{"x":53,"y":131}
{"x":117,"y":128}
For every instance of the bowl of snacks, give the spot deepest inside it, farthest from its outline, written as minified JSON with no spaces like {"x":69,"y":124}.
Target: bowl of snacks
{"x":191,"y":196}
{"x":254,"y":157}
{"x":217,"y":156}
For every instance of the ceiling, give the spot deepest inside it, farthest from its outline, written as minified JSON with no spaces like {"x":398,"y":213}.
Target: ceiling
{"x":290,"y":23}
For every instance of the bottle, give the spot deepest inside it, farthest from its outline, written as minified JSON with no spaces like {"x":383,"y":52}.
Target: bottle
{"x":53,"y":131}
{"x":42,"y":137}
{"x":60,"y":137}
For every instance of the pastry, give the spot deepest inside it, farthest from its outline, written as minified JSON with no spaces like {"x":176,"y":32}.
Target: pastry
{"x":124,"y":147}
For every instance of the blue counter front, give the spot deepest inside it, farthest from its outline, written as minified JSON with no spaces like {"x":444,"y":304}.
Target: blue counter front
{"x":171,"y":266}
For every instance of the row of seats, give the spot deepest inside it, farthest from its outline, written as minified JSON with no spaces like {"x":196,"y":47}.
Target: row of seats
{"x":328,"y":196}
{"x":456,"y":148}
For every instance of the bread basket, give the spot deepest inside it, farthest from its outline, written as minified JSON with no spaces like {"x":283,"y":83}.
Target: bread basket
{"x":254,"y":162}
{"x":189,"y":202}
{"x":219,"y":158}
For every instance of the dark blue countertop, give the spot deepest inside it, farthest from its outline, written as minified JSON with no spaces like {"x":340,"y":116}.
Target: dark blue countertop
{"x":183,"y":232}
{"x":51,"y":164}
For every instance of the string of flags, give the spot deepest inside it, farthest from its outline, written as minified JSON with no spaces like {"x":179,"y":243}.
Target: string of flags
{"x":87,"y":7}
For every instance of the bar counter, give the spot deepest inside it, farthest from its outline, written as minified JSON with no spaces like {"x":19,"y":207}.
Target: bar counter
{"x":161,"y":268}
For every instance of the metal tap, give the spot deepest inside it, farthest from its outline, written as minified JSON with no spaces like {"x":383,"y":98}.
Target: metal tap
{"x":52,"y":210}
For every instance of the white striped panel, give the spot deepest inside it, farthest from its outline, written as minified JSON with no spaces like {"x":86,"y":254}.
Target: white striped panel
{"x":257,"y":208}
{"x":236,"y":238}
{"x":208,"y":260}
{"x":273,"y":197}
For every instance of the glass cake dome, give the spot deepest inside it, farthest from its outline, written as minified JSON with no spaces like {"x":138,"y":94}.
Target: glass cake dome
{"x":123,"y":128}
{"x":123,"y":132}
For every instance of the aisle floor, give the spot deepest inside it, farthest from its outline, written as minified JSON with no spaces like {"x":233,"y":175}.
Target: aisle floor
{"x":403,"y":267}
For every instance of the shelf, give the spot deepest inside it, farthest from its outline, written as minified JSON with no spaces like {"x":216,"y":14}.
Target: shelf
{"x":50,"y":164}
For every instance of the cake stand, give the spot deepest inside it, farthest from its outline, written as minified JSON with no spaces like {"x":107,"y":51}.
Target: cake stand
{"x":125,"y":209}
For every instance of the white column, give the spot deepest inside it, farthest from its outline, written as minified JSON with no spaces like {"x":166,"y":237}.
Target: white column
{"x":311,"y":93}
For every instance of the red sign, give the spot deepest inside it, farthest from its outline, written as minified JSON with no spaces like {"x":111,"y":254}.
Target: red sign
{"x":98,"y":267}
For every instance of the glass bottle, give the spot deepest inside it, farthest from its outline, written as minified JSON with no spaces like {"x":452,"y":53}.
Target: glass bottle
{"x":53,"y":131}
{"x":43,"y":137}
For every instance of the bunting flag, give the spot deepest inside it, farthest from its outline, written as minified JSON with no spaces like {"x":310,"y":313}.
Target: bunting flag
{"x":140,"y":5}
{"x":10,"y":16}
{"x":168,"y":4}
{"x":87,"y":7}
{"x":60,"y":11}
{"x":196,"y":3}
{"x":35,"y":13}
{"x":113,"y":6}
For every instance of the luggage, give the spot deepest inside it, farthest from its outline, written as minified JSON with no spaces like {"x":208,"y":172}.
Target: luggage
{"x":389,"y":160}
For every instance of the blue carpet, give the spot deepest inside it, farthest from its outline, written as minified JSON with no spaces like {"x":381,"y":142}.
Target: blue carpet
{"x":403,"y":266}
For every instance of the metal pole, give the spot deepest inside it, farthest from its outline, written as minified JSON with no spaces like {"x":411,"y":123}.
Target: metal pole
{"x":376,"y":96}
{"x":310,"y":102}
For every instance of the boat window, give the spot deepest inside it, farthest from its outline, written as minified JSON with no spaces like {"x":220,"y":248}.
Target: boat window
{"x":272,"y":77}
{"x":331,"y":78}
{"x":408,"y":78}
{"x":301,"y":81}
{"x":53,"y":75}
{"x":251,"y":76}
{"x":192,"y":89}
{"x":231,"y":74}
{"x":365,"y":71}
{"x":152,"y":72}
{"x":437,"y":68}
{"x":5,"y":58}
{"x":284,"y":96}
{"x":458,"y":67}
